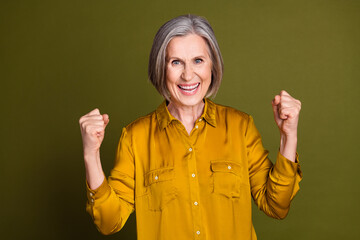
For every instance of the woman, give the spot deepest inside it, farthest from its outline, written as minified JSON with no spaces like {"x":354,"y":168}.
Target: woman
{"x":190,"y":168}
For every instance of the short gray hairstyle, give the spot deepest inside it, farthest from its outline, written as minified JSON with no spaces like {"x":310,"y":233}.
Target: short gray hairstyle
{"x":182,"y":26}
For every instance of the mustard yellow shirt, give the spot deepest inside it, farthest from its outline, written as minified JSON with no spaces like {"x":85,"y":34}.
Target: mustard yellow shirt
{"x":196,"y":186}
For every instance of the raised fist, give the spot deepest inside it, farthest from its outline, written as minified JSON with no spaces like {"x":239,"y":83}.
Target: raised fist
{"x":286,"y":113}
{"x":92,"y":127}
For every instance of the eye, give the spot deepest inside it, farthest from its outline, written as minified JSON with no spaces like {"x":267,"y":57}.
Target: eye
{"x":175,"y":62}
{"x":198,"y":60}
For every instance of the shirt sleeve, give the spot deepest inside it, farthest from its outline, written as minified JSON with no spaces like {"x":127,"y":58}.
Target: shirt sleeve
{"x":111,"y":204}
{"x":272,"y":186}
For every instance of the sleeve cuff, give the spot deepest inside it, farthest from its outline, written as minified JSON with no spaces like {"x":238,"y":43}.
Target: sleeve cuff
{"x":285,"y":167}
{"x":93,"y":194}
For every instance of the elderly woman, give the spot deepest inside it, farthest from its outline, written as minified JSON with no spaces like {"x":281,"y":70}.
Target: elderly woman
{"x":190,"y":168}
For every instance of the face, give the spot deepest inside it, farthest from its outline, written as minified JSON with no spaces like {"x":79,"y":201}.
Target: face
{"x":188,"y":70}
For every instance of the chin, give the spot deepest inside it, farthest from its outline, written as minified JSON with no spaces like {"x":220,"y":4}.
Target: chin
{"x":192,"y":101}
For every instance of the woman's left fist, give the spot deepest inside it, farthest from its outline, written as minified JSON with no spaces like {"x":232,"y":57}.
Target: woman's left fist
{"x":286,"y":113}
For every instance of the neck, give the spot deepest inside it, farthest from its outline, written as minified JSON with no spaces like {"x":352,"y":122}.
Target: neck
{"x":187,"y":115}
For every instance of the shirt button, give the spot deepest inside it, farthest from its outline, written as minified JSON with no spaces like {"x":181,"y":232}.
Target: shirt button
{"x":198,"y":232}
{"x":200,"y":119}
{"x":92,"y":200}
{"x":193,"y":175}
{"x":190,"y":149}
{"x":196,"y":126}
{"x":229,"y":167}
{"x":156,"y":177}
{"x":91,"y":194}
{"x":196,"y":203}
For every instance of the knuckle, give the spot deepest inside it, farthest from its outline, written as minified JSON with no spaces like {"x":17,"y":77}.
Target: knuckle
{"x":81,"y":119}
{"x":88,"y":129}
{"x":83,"y":124}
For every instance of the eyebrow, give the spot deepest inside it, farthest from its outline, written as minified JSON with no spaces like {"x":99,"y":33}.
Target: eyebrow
{"x":178,"y":58}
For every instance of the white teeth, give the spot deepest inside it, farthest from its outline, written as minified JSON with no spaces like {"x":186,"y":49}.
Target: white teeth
{"x":189,"y":88}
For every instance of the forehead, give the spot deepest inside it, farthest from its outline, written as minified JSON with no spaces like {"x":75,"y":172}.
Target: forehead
{"x":190,"y":44}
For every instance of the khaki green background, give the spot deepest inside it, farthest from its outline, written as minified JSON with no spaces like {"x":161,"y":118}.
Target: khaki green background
{"x":61,"y":59}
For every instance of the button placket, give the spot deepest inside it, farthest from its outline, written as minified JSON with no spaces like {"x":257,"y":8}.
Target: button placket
{"x":194,"y":185}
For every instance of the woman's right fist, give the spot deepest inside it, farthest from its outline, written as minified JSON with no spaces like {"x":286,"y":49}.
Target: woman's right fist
{"x":92,"y":127}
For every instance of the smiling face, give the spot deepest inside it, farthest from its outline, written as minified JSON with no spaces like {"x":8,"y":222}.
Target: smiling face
{"x":188,"y":70}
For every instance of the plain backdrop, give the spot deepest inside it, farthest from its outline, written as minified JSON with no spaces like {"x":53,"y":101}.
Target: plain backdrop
{"x":61,"y":59}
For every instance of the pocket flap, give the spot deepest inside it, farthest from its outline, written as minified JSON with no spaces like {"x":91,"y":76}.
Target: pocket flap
{"x":226,"y":166}
{"x":159,"y":175}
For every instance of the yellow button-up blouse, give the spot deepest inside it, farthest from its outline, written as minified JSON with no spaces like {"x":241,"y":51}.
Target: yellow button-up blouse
{"x":196,"y":186}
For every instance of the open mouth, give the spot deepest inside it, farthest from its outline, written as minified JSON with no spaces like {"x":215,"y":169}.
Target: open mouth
{"x":189,"y":88}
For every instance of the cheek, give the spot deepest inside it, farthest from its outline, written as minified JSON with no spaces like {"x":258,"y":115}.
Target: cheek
{"x":206,"y":74}
{"x":171,"y":76}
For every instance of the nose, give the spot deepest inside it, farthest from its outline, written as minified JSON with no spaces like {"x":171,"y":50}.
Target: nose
{"x":188,"y":72}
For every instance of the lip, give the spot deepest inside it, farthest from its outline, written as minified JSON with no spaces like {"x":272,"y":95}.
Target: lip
{"x":189,"y":89}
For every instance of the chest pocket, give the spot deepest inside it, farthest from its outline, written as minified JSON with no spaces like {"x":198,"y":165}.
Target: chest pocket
{"x":226,"y":177}
{"x":161,"y":189}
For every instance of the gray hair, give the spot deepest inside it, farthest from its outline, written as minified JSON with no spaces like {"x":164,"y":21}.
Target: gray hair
{"x":182,"y":26}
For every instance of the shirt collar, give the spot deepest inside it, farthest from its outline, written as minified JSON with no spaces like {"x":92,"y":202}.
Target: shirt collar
{"x":209,"y":112}
{"x":165,"y":118}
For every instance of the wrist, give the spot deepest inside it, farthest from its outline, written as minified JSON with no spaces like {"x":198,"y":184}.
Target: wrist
{"x":288,"y":138}
{"x":91,"y":155}
{"x":288,"y":145}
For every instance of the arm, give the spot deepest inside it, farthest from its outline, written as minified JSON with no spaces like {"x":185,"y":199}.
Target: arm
{"x":274,"y":186}
{"x":109,"y":203}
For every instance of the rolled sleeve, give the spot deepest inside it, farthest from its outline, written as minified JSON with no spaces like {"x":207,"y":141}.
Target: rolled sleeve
{"x":272,"y":186}
{"x":287,"y":172}
{"x":286,"y":168}
{"x":113,"y":201}
{"x":99,"y":193}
